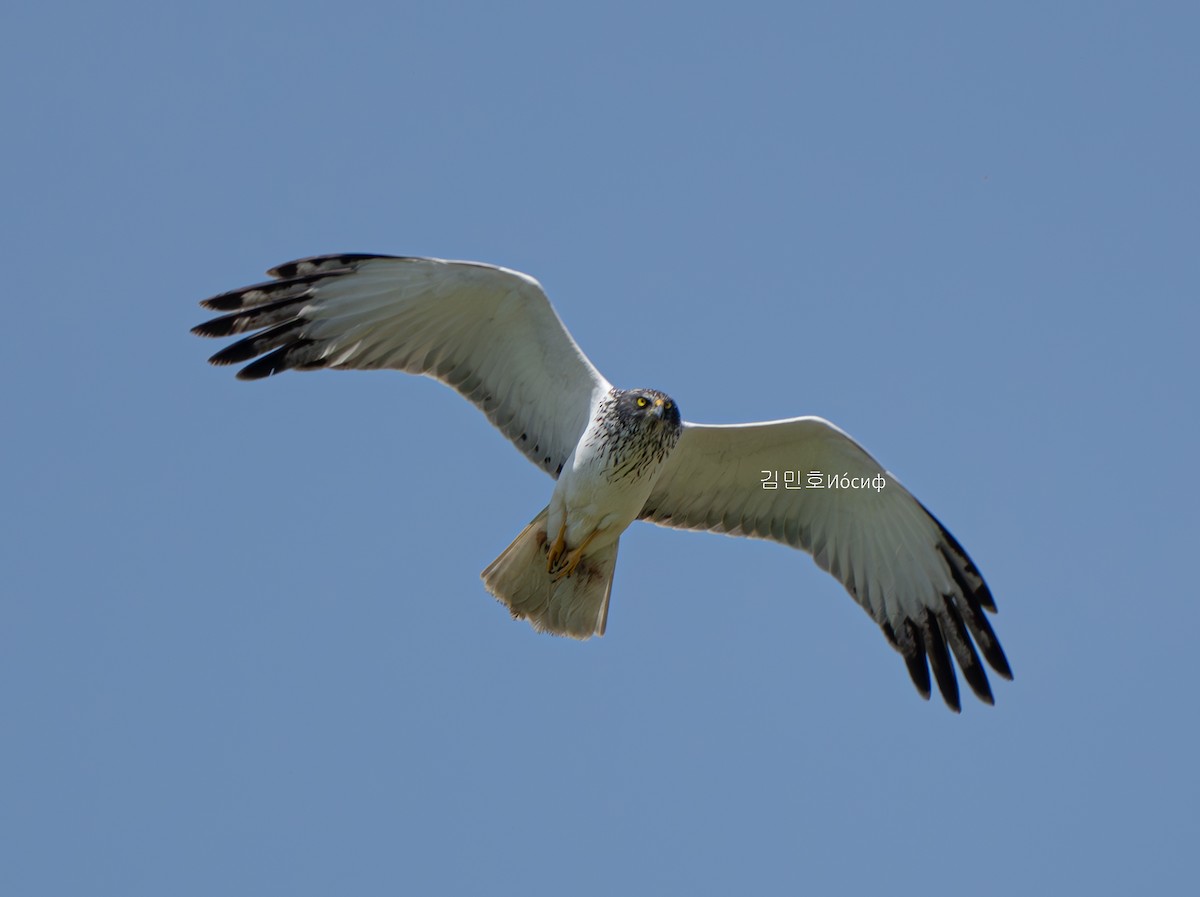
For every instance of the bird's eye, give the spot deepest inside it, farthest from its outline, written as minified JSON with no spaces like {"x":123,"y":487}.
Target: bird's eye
{"x":668,"y":405}
{"x":642,"y":401}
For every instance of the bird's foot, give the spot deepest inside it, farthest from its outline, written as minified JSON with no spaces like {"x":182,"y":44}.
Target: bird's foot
{"x":557,"y":548}
{"x":574,"y":556}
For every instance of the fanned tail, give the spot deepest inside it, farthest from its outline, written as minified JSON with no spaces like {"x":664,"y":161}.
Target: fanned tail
{"x":576,"y":605}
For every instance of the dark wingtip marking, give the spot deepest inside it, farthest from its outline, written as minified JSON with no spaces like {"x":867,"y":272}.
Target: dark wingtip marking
{"x":226,"y":325}
{"x":226,"y":356}
{"x":254,"y":318}
{"x":230,"y":301}
{"x":939,"y":659}
{"x":265,"y":366}
{"x":913,"y":651}
{"x":273,"y":363}
{"x":242,"y":350}
{"x":975,"y":601}
{"x":999,"y":662}
{"x":982,"y":594}
{"x":978,"y":681}
{"x":963,"y":650}
{"x":256,"y":344}
{"x":974,"y":617}
{"x":918,"y":671}
{"x":269,"y":291}
{"x":316,"y":263}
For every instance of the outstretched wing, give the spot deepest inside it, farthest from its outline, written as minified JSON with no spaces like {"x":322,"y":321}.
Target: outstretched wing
{"x":488,"y":332}
{"x":891,"y":554}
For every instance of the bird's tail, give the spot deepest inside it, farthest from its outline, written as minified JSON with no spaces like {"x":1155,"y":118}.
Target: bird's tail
{"x":575,"y":605}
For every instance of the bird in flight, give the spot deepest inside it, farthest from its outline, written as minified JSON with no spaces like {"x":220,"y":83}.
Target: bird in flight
{"x":620,"y":455}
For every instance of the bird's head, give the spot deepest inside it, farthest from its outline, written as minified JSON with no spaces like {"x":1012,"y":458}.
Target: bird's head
{"x":649,"y":406}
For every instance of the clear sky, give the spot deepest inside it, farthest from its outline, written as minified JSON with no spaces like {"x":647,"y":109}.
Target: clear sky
{"x":244,"y":648}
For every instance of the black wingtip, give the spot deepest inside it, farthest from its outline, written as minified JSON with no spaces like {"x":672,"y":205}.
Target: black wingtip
{"x":272,"y":363}
{"x":980,"y":593}
{"x":971,"y":610}
{"x":217,"y":327}
{"x":242,"y":350}
{"x":214,"y":303}
{"x":999,"y":663}
{"x":912,"y":649}
{"x":959,"y":642}
{"x":934,"y":644}
{"x":918,"y":671}
{"x":234,"y":300}
{"x":977,"y":679}
{"x":320,"y":263}
{"x":939,"y":659}
{"x":271,"y":291}
{"x":288,"y":357}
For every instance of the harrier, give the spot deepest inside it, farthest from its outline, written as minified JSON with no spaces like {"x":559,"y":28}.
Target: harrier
{"x":620,"y":455}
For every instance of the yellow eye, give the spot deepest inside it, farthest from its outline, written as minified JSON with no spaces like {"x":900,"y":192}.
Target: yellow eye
{"x":642,"y":401}
{"x":668,"y":405}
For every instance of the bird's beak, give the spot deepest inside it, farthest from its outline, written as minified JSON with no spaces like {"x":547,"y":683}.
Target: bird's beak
{"x":658,"y":408}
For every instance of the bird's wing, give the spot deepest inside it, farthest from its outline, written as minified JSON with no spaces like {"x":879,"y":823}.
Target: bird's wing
{"x":488,"y":332}
{"x":891,"y":554}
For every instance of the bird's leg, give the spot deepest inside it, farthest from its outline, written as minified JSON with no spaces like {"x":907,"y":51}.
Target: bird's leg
{"x":574,"y":556}
{"x":559,"y":546}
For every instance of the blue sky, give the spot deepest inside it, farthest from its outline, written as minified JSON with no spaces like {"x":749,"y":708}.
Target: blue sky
{"x":245,"y":648}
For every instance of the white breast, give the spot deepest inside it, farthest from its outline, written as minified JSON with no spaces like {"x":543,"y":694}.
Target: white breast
{"x":590,"y":502}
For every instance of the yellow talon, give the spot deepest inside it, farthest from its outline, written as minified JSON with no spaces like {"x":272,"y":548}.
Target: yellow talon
{"x":556,"y":550}
{"x":574,"y":556}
